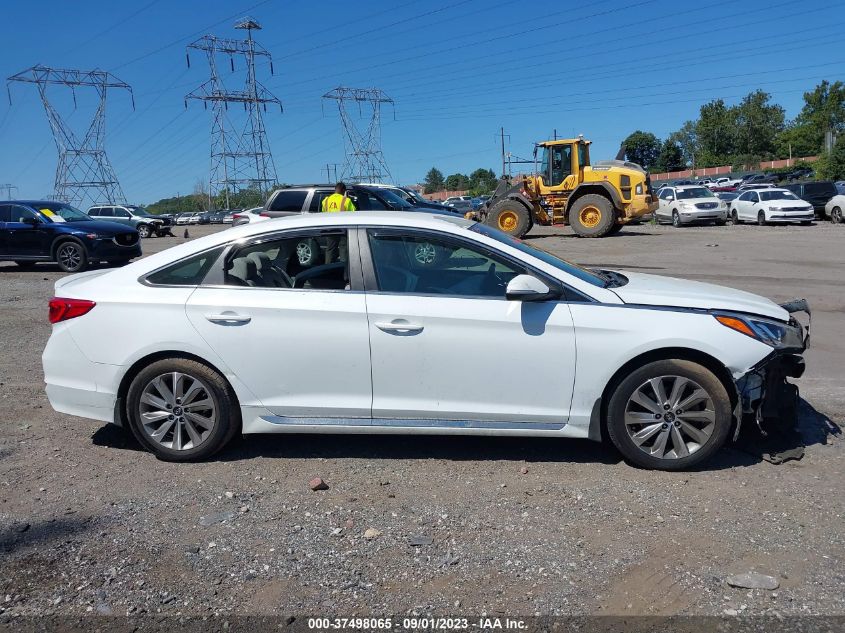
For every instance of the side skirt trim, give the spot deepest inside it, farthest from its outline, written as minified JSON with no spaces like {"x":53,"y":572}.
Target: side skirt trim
{"x":414,"y":424}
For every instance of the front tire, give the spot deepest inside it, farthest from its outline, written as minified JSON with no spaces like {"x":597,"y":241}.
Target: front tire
{"x":836,"y":215}
{"x":71,"y":257}
{"x":676,"y":219}
{"x":592,"y":216}
{"x":182,"y":410}
{"x":669,"y":415}
{"x":509,"y":216}
{"x":144,"y":231}
{"x":761,"y":218}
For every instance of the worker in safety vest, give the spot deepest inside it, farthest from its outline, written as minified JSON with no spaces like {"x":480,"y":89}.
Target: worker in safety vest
{"x":338,"y":200}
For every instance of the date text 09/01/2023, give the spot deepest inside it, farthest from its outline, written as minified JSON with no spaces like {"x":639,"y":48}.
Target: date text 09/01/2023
{"x":416,"y":624}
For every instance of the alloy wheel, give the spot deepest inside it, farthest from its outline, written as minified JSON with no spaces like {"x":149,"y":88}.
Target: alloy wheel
{"x":177,"y":411}
{"x":670,"y":417}
{"x":144,"y":231}
{"x":69,"y":256}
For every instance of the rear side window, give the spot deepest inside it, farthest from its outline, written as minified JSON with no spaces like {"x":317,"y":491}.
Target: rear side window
{"x":289,"y":201}
{"x":186,"y":272}
{"x":5,"y":213}
{"x":106,"y":212}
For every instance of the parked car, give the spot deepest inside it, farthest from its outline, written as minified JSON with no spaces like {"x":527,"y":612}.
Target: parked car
{"x":293,"y":200}
{"x":33,"y":231}
{"x":756,"y":186}
{"x":766,"y":206}
{"x":757,"y":179}
{"x":410,"y":196}
{"x":405,"y":306}
{"x":182,"y":218}
{"x":817,"y":193}
{"x":840,"y":186}
{"x":798,"y":174}
{"x":835,"y":208}
{"x":460,"y":205}
{"x":726,"y":197}
{"x":452,"y":199}
{"x":689,"y":204}
{"x":248,"y":215}
{"x":137,"y":217}
{"x":227,"y":217}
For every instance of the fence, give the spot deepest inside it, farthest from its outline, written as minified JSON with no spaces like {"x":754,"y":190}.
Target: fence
{"x":727,"y":169}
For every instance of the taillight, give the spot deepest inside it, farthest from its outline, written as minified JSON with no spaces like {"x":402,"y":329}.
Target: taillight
{"x":237,"y":216}
{"x":64,"y":309}
{"x":264,"y":215}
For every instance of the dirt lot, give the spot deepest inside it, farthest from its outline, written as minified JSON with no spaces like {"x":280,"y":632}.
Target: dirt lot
{"x":90,"y":524}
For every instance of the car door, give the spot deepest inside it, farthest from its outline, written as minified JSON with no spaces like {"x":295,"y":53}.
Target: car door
{"x":296,"y":335}
{"x":750,"y":206}
{"x":667,"y":196}
{"x":740,"y":205}
{"x":23,"y":237}
{"x":449,"y":348}
{"x":123,"y":216}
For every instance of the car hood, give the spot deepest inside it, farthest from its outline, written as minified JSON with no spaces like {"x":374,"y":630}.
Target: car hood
{"x":655,"y":290}
{"x":781,"y":204}
{"x":100,"y":226}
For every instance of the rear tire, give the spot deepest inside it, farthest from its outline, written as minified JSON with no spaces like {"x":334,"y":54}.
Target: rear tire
{"x":836,"y":215}
{"x":669,"y":437}
{"x":144,"y":401}
{"x":592,"y":216}
{"x":509,"y":216}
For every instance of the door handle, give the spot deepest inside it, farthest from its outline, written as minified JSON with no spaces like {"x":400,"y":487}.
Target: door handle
{"x":229,"y":318}
{"x":399,"y":326}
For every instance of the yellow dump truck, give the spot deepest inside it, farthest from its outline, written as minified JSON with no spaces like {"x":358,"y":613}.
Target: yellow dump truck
{"x":595,"y":200}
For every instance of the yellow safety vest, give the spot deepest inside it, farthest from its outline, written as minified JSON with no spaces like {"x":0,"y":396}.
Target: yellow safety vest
{"x":337,"y":202}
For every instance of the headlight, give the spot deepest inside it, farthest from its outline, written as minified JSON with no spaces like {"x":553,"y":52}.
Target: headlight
{"x":774,"y":333}
{"x":685,"y":205}
{"x":774,"y":208}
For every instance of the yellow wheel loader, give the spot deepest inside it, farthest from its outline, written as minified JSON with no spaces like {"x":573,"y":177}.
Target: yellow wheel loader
{"x":595,"y":200}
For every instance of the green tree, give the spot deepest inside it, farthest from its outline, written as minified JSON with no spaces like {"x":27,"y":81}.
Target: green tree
{"x":482,"y":181}
{"x":671,"y":158}
{"x":716,"y":132}
{"x":832,"y":166}
{"x":824,"y":109}
{"x":457,"y":182}
{"x":758,"y":125}
{"x":433,"y":181}
{"x":642,"y":148}
{"x":687,"y":140}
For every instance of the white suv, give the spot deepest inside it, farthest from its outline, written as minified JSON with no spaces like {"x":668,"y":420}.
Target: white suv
{"x":689,"y":204}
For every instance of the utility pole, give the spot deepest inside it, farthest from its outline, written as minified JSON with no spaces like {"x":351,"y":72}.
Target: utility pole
{"x":84,"y":173}
{"x":8,"y":189}
{"x":504,"y":154}
{"x":331,"y":168}
{"x":240,"y":157}
{"x":364,"y":157}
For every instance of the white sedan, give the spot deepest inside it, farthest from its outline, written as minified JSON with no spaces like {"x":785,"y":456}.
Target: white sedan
{"x":835,"y":208}
{"x":689,"y":204}
{"x":416,"y":324}
{"x":770,"y":205}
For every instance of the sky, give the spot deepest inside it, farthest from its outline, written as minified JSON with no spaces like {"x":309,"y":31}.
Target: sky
{"x":457,"y":70}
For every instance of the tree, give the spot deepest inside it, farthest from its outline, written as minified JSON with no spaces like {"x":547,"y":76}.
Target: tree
{"x":716,"y":131}
{"x":687,"y":140}
{"x":832,"y":166}
{"x":457,"y":182}
{"x":433,"y":181}
{"x":642,"y":148}
{"x":482,"y":181}
{"x":758,"y":125}
{"x":824,"y":109}
{"x":671,"y":157}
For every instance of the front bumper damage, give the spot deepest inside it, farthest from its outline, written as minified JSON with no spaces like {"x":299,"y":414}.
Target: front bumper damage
{"x":764,"y":394}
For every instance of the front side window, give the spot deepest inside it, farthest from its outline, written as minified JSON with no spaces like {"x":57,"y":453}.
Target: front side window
{"x":425,"y":264}
{"x":121,"y":213}
{"x":363,"y":201}
{"x":289,"y":200}
{"x":667,"y":194}
{"x":308,"y":261}
{"x":753,"y":197}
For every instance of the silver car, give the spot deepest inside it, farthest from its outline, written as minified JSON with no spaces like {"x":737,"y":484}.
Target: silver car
{"x":690,"y":204}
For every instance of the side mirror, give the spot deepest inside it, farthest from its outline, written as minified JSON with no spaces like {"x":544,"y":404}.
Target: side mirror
{"x":31,"y":221}
{"x":528,"y":288}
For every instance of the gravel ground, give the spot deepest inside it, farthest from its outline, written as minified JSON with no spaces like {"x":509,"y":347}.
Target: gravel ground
{"x":91,"y":524}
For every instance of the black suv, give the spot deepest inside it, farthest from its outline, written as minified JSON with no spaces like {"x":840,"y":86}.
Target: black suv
{"x":34,"y":231}
{"x":816,"y":193}
{"x":292,"y":200}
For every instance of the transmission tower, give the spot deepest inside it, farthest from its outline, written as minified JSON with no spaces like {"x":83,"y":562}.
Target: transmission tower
{"x":84,"y":173}
{"x":364,"y":158}
{"x":240,"y":156}
{"x":8,"y":189}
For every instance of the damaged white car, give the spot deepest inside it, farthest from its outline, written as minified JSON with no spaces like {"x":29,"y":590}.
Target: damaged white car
{"x":415,"y":324}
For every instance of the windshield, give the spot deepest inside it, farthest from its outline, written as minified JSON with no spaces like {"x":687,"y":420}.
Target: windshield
{"x":694,"y":192}
{"x":393,"y":200}
{"x":60,"y":212}
{"x":777,"y":195}
{"x":138,"y":210}
{"x":573,"y":269}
